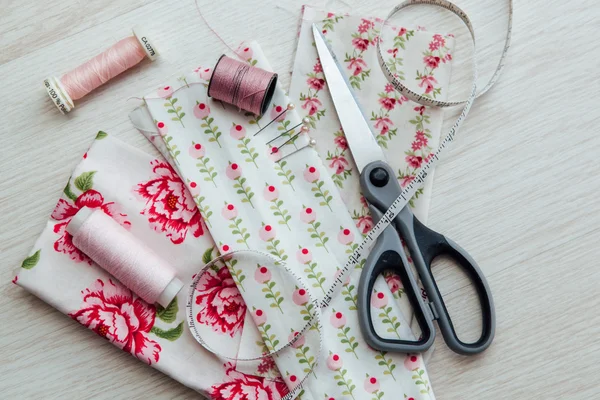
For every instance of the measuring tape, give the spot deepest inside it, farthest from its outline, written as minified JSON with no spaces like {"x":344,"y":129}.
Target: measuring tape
{"x":402,"y":201}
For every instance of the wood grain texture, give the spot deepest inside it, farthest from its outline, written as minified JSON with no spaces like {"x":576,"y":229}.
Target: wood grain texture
{"x":519,"y":189}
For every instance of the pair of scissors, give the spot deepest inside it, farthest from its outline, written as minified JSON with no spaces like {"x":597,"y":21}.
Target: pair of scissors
{"x":381,"y":188}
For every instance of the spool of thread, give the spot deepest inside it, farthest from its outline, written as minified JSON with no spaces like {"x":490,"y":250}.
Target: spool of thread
{"x":238,"y":83}
{"x":123,"y":55}
{"x":118,"y":252}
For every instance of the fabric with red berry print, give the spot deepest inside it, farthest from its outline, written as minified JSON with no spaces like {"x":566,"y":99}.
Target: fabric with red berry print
{"x":292,"y":210}
{"x":147,"y":197}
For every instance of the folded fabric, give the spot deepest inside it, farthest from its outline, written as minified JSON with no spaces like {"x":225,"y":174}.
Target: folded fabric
{"x":146,"y":196}
{"x":406,"y":131}
{"x":292,"y":210}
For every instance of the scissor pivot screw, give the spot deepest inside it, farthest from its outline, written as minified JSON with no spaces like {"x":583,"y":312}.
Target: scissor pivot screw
{"x":379,"y":177}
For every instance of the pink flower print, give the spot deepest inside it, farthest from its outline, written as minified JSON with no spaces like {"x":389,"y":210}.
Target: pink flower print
{"x":205,"y":73}
{"x":194,"y":188}
{"x":341,"y":142}
{"x":262,"y":274}
{"x":275,"y":113}
{"x":388,"y":103}
{"x":339,"y":163}
{"x":361,"y":44}
{"x":304,"y":256}
{"x":300,"y":297}
{"x":292,"y":380}
{"x":299,"y":342}
{"x":356,"y":65}
{"x":427,"y":81}
{"x":414,"y":161}
{"x":394,"y":283}
{"x":165,"y":92}
{"x":197,"y":150}
{"x":237,"y":132}
{"x":364,"y":223}
{"x":308,"y":215}
{"x":311,"y":174}
{"x":363,"y":202}
{"x":432,"y":61}
{"x":225,"y":248}
{"x":379,"y":300}
{"x":267,"y":233}
{"x":270,"y":193}
{"x":448,"y":57}
{"x":259,"y":317}
{"x":420,"y":109}
{"x":229,"y":211}
{"x":433,"y":46}
{"x":389,"y":88}
{"x":312,"y":104}
{"x":412,"y":362}
{"x":316,"y":83}
{"x":383,"y":123}
{"x":439,"y":39}
{"x":337,"y":319}
{"x":318,"y":67}
{"x":246,"y":53}
{"x":15,"y":279}
{"x":345,"y":236}
{"x":371,"y":384}
{"x":113,"y":312}
{"x":406,"y":180}
{"x":201,"y":110}
{"x":162,"y":128}
{"x":233,"y":171}
{"x":334,"y":362}
{"x":401,"y":31}
{"x":274,"y":154}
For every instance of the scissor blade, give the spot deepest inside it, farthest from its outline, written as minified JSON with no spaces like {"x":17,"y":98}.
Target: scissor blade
{"x":356,"y":128}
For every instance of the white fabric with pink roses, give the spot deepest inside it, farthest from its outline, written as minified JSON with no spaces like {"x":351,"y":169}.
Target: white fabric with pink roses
{"x":230,"y":194}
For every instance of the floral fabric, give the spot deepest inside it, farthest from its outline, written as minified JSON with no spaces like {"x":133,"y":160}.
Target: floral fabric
{"x":291,"y":210}
{"x":147,"y":197}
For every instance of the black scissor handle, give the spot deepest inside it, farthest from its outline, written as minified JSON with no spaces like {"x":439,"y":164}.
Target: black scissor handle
{"x":381,"y":189}
{"x":388,"y":255}
{"x":429,"y":246}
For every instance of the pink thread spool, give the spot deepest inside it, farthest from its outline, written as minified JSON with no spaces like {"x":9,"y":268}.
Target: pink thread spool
{"x":123,"y":256}
{"x":240,"y":84}
{"x":123,"y":55}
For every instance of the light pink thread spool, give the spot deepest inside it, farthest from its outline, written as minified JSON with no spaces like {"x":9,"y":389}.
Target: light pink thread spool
{"x":76,"y":83}
{"x":117,"y":251}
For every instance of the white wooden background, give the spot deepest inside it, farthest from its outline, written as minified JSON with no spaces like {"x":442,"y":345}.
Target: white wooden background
{"x":519,"y":191}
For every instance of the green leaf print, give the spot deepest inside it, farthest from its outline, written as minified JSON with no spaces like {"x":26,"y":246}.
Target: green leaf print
{"x":85,"y":181}
{"x":172,"y":109}
{"x":210,"y":129}
{"x":67,"y":191}
{"x":285,"y":174}
{"x":169,"y":313}
{"x":169,"y":334}
{"x":207,"y":255}
{"x":31,"y":261}
{"x":101,"y":135}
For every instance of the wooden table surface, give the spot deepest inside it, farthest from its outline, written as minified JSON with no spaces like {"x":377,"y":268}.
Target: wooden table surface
{"x":519,"y":190}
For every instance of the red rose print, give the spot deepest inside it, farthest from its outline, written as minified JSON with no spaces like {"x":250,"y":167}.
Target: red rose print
{"x":341,"y":142}
{"x":420,"y":109}
{"x":170,"y":208}
{"x":364,"y":223}
{"x":401,"y":31}
{"x":356,"y":65}
{"x":432,"y":61}
{"x":312,"y":104}
{"x":387,"y":102}
{"x":427,"y":82}
{"x":316,"y":83}
{"x":239,"y":386}
{"x":414,"y":161}
{"x":339,"y":164}
{"x":383,"y":123}
{"x":65,"y":210}
{"x":361,"y":44}
{"x":112,"y":311}
{"x":221,"y":304}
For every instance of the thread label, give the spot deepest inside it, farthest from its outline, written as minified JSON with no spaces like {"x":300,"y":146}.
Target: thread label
{"x":149,"y":47}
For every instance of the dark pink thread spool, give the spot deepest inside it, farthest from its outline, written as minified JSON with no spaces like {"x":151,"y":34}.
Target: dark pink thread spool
{"x":240,"y":84}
